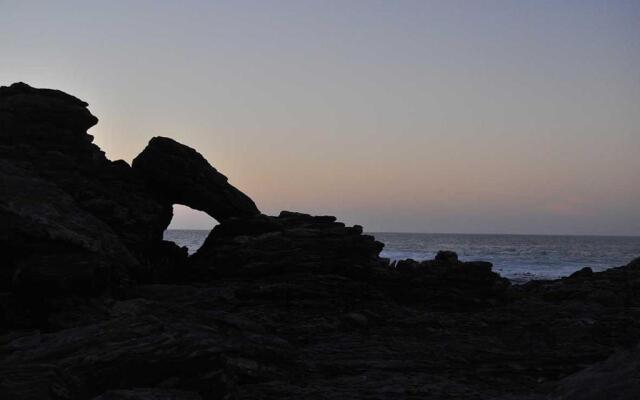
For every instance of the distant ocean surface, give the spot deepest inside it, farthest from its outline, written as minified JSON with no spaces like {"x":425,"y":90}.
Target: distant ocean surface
{"x":517,"y":257}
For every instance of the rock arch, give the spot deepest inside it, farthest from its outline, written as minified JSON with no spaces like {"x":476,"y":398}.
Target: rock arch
{"x":181,"y":175}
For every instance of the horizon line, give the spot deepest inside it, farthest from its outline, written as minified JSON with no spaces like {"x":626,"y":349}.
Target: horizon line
{"x":458,"y":233}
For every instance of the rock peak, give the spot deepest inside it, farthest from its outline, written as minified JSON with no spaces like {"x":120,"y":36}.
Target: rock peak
{"x":25,"y":88}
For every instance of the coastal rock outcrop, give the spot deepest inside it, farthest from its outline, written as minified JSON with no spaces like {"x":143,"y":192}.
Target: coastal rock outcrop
{"x":47,"y":129}
{"x":182,"y":176}
{"x":614,"y":287}
{"x":95,"y":305}
{"x":447,"y":282}
{"x":70,"y":217}
{"x":264,"y":245}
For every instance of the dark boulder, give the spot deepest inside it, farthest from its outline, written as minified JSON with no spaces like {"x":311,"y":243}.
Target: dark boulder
{"x":168,"y":263}
{"x":183,"y":176}
{"x":617,"y":377}
{"x":582,"y":273}
{"x":291,"y":242}
{"x":447,"y":256}
{"x":446,"y":282}
{"x":613,"y":287}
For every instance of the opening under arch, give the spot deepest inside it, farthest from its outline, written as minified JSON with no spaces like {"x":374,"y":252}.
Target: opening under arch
{"x":189,"y":227}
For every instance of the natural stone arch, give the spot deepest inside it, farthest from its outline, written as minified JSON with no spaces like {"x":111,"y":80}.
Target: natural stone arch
{"x":183,"y":176}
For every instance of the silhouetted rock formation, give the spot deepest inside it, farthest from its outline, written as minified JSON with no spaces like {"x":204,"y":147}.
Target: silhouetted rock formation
{"x":448,"y":282}
{"x":264,"y":245}
{"x":94,"y":304}
{"x":181,"y":175}
{"x":73,"y":208}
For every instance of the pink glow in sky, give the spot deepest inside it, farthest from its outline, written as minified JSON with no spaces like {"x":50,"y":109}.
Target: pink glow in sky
{"x":425,"y":116}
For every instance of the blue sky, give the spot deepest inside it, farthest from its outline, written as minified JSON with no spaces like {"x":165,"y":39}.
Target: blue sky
{"x":425,"y":116}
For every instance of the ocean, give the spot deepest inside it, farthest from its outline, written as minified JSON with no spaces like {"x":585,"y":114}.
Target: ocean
{"x":517,"y":257}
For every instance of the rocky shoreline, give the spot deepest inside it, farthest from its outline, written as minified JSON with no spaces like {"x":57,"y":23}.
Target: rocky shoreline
{"x":94,"y":304}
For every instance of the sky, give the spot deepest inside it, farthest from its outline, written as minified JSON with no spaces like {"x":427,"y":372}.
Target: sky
{"x":405,"y":116}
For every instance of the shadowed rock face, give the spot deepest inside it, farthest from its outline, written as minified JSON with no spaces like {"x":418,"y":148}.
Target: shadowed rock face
{"x":182,"y":176}
{"x":70,"y":219}
{"x":49,"y":243}
{"x":65,"y":202}
{"x":266,"y":246}
{"x":46,"y":130}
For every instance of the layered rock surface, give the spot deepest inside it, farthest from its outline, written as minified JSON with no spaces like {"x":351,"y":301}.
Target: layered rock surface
{"x":318,"y":336}
{"x":265,"y":245}
{"x":49,"y":243}
{"x":95,"y":305}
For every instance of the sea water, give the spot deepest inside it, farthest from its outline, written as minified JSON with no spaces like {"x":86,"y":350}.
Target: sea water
{"x":517,"y":257}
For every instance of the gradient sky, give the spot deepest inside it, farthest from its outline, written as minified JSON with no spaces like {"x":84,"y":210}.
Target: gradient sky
{"x":410,"y":116}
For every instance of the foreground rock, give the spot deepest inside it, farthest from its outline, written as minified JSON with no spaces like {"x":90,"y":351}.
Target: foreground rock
{"x":181,"y":175}
{"x":616,"y":377}
{"x":317,"y":336}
